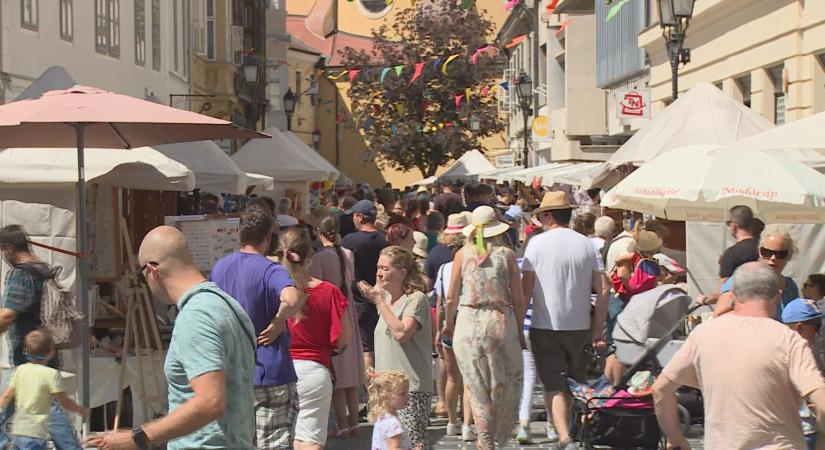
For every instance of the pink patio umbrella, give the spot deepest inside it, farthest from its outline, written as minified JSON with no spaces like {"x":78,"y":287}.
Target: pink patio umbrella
{"x":86,"y":116}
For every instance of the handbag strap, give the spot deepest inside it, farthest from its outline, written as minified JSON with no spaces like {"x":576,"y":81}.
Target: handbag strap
{"x":235,"y":313}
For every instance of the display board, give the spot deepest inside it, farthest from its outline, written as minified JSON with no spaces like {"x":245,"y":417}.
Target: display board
{"x":210,"y":238}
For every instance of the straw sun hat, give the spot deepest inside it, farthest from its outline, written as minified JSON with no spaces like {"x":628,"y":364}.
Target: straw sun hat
{"x":485,"y":218}
{"x":456,"y":222}
{"x":648,"y":242}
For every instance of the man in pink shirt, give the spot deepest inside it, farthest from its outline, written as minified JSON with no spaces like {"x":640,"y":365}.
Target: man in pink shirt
{"x":752,"y":370}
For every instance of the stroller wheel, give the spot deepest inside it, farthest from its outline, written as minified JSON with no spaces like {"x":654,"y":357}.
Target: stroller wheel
{"x":684,"y":418}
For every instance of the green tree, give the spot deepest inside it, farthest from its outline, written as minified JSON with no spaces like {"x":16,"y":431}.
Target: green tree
{"x":418,"y":125}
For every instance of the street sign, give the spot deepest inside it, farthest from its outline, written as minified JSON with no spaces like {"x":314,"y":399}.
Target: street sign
{"x":540,"y":131}
{"x":633,"y":103}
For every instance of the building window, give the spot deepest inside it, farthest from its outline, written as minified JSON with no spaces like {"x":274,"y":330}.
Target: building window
{"x":210,"y":29}
{"x":66,"y":20}
{"x":298,"y":85}
{"x":374,"y":9}
{"x":140,"y":32}
{"x":29,"y":14}
{"x":648,"y":5}
{"x":107,"y":27}
{"x":777,"y":79}
{"x":156,"y":34}
{"x":744,"y":83}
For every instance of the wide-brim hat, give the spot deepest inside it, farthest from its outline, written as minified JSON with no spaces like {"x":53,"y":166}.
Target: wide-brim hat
{"x":648,"y":242}
{"x":456,"y":222}
{"x":421,"y":241}
{"x":551,"y":201}
{"x":484,"y":218}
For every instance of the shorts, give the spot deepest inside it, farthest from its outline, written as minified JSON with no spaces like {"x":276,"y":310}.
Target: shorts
{"x":367,"y":320}
{"x":276,"y":408}
{"x":314,"y":400}
{"x":559,"y":354}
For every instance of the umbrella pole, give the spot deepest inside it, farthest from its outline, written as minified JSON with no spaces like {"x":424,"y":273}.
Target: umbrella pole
{"x":83,"y":270}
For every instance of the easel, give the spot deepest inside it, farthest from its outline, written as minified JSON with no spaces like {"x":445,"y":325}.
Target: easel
{"x":141,"y":329}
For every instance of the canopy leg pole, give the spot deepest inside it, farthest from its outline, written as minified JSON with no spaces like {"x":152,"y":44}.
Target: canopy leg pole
{"x":83,"y":271}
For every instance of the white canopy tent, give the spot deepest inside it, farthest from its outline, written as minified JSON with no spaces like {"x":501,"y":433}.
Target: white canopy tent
{"x":429,"y":181}
{"x":470,"y":165}
{"x":214,"y":170}
{"x":806,"y":133}
{"x":702,"y":115}
{"x":142,"y":168}
{"x":283,"y":160}
{"x":312,"y":154}
{"x":574,"y":174}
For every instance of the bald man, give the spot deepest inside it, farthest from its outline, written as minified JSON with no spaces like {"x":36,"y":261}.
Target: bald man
{"x":210,"y":361}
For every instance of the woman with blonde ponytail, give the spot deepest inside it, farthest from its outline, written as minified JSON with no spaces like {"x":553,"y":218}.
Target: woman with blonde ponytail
{"x":318,"y":330}
{"x":335,"y":264}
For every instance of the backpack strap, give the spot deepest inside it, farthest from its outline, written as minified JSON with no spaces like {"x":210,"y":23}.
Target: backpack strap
{"x":235,"y":313}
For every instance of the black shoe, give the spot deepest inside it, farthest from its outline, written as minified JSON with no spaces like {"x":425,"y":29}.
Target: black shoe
{"x":362,"y":415}
{"x":542,"y":417}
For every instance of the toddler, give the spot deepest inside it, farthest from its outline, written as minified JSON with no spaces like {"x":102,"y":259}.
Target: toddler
{"x":388,"y":393}
{"x":33,"y":386}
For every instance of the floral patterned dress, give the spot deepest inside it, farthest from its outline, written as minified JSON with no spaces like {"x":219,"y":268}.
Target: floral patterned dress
{"x":486,"y":342}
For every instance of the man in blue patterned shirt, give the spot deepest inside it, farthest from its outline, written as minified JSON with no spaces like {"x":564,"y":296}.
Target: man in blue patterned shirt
{"x":20,"y":314}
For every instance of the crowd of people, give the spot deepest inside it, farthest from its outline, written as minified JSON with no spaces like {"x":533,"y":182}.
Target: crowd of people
{"x":461,"y":300}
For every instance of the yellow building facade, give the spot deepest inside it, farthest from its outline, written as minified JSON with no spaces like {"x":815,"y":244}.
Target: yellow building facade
{"x":352,"y":22}
{"x":769,"y":54}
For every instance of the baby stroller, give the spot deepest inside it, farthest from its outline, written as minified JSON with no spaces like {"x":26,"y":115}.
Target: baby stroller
{"x":645,"y":338}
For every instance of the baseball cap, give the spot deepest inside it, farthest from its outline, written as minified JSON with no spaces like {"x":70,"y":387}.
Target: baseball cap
{"x":505,"y":190}
{"x":800,"y":310}
{"x":365,"y":207}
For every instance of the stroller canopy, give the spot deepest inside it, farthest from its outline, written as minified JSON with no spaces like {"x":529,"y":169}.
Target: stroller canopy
{"x":651,"y":314}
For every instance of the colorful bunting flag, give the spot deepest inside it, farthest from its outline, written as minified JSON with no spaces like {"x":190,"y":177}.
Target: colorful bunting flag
{"x":516,"y":41}
{"x":398,"y":70}
{"x":437,"y":63}
{"x":468,"y":93}
{"x":489,"y":49}
{"x":394,"y":128}
{"x":615,"y":9}
{"x":335,"y":77}
{"x":511,"y":4}
{"x":458,"y":100}
{"x":505,"y":85}
{"x":384,"y":73}
{"x":353,"y":73}
{"x":485,"y":90}
{"x":447,"y":63}
{"x":419,"y":69}
{"x":467,"y":4}
{"x":562,"y":27}
{"x":552,"y":6}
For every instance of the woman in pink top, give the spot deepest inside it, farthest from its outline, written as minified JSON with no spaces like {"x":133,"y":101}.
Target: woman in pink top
{"x":336,"y":265}
{"x":315,"y":333}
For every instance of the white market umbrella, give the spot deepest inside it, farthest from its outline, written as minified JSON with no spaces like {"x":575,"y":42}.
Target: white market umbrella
{"x":313,"y":154}
{"x":214,"y":169}
{"x":281,"y":158}
{"x":807,"y":133}
{"x":703,"y":115}
{"x":700,"y":183}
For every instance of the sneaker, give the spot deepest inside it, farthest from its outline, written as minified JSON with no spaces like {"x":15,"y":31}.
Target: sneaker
{"x":569,"y":445}
{"x":453,"y":429}
{"x":551,"y":433}
{"x":467,"y":433}
{"x":523,"y":435}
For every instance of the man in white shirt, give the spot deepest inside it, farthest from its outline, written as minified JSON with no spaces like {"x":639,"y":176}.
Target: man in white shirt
{"x":560,"y":268}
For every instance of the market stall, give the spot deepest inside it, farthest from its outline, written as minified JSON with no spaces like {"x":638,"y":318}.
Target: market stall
{"x":293,"y":167}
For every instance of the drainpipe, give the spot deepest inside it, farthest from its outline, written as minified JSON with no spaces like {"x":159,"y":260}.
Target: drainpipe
{"x":536,"y":44}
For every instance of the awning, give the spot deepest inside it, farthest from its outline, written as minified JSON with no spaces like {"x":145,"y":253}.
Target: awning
{"x":573,"y":173}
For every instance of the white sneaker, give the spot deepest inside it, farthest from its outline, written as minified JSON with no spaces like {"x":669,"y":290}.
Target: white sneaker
{"x":523,"y":435}
{"x":453,"y":429}
{"x":467,"y":433}
{"x":551,"y":433}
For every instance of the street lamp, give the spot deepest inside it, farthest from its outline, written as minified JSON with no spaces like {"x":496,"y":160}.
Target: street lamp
{"x":524,"y":89}
{"x":674,"y":18}
{"x":316,"y":137}
{"x":475,"y":124}
{"x":250,"y":71}
{"x":289,"y":107}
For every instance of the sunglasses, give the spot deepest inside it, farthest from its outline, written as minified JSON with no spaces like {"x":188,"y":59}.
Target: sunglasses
{"x":142,"y":273}
{"x":767,"y":253}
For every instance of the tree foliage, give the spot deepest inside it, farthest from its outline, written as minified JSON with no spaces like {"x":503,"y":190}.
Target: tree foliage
{"x":418,"y":125}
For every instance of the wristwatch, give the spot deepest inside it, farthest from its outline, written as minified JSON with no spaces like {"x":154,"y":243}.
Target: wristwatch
{"x":140,"y":439}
